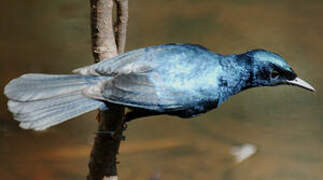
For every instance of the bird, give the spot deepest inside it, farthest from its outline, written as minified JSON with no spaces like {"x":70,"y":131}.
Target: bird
{"x":183,"y":80}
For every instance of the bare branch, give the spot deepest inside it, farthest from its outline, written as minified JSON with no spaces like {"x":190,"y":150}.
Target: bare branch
{"x":103,"y":160}
{"x":103,"y":156}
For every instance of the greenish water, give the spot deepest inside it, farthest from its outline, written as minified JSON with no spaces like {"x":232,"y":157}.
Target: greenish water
{"x":285,"y":123}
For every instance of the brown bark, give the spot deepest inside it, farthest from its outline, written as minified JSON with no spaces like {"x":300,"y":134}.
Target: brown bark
{"x":103,"y":159}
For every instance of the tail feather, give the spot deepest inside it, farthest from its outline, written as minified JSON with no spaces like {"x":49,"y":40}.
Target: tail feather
{"x":40,"y":101}
{"x":30,"y":87}
{"x":46,"y":117}
{"x":38,"y":106}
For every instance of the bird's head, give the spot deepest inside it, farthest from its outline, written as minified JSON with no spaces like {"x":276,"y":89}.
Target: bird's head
{"x":270,"y":69}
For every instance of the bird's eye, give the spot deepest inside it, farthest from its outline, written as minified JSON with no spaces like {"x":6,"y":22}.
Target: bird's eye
{"x":274,"y":75}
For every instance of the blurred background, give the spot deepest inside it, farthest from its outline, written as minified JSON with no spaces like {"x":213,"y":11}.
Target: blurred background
{"x":285,"y":123}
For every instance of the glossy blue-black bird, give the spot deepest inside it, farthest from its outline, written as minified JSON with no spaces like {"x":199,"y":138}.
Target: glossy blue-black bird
{"x":176,"y":79}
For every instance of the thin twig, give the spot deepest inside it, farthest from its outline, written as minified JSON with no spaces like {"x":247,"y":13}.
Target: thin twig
{"x":121,"y":24}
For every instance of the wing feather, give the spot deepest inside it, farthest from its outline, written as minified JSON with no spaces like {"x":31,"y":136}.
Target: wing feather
{"x":132,"y":61}
{"x":134,"y":90}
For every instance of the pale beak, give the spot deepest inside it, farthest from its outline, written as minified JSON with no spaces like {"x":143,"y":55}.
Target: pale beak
{"x":301,"y":83}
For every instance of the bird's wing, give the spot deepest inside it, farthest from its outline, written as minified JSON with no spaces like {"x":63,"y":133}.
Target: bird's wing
{"x":131,"y":61}
{"x":161,"y":78}
{"x":145,"y":59}
{"x":135,"y":90}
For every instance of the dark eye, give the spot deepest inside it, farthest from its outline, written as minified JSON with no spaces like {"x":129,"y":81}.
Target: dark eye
{"x":274,"y":74}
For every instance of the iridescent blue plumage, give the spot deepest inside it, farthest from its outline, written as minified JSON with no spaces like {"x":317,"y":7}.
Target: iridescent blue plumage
{"x":176,"y":79}
{"x":179,"y":79}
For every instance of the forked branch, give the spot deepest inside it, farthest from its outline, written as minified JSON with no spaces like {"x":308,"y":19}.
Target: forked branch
{"x":107,"y":40}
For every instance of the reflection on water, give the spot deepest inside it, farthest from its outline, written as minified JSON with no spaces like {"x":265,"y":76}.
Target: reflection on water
{"x":285,"y":123}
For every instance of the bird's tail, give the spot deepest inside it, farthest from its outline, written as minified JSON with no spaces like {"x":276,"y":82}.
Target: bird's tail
{"x":39,"y":101}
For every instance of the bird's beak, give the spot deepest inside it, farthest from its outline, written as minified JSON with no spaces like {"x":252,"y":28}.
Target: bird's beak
{"x":301,"y":83}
